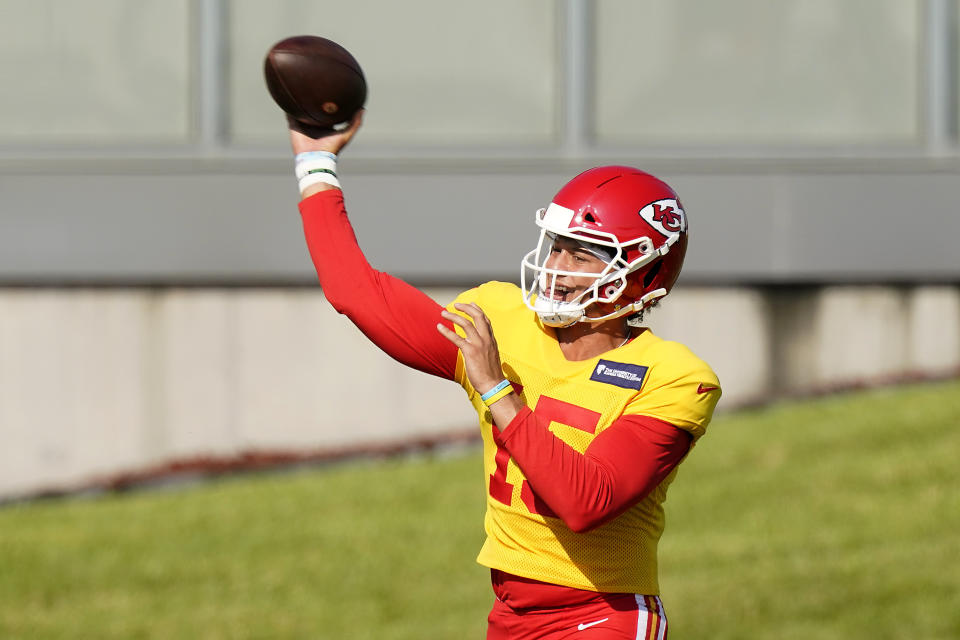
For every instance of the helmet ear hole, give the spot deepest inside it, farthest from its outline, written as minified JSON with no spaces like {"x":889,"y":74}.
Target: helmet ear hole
{"x":652,"y":273}
{"x":609,"y":291}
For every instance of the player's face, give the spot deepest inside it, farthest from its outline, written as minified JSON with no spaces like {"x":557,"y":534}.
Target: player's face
{"x":569,"y":255}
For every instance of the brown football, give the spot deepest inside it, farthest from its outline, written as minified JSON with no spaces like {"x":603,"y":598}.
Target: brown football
{"x":315,"y":81}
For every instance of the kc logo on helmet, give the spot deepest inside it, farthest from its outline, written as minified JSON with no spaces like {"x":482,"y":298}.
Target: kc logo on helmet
{"x":666,"y":216}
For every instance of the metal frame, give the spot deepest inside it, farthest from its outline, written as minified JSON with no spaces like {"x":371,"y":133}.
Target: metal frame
{"x":575,"y":136}
{"x":941,"y":77}
{"x":210,"y":88}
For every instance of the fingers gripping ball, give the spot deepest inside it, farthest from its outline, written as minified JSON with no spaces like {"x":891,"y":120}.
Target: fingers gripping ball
{"x":315,"y":81}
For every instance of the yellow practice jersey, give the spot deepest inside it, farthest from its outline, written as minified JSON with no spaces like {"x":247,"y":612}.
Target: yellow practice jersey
{"x":648,"y":376}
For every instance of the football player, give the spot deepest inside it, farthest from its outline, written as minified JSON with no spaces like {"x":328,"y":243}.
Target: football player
{"x":584,"y":413}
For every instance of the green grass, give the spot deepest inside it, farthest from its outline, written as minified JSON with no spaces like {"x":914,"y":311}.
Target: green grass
{"x":834,"y":518}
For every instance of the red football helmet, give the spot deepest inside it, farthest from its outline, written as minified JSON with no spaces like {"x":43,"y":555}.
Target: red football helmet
{"x":632,"y":219}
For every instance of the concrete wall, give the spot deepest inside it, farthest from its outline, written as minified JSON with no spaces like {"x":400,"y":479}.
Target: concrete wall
{"x":99,"y":381}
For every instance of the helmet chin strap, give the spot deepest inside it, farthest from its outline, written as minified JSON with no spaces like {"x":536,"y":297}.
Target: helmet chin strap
{"x":631,"y":309}
{"x":560,"y":319}
{"x":648,"y":298}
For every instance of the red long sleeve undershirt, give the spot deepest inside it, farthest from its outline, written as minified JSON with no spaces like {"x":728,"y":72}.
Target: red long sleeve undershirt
{"x":397,"y":317}
{"x":619,"y":468}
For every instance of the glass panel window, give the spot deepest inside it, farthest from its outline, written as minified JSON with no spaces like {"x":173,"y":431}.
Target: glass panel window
{"x":758,"y":72}
{"x":97,"y":71}
{"x":438,"y":72}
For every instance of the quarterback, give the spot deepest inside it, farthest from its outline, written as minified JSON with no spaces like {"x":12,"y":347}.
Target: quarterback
{"x":585,"y":414}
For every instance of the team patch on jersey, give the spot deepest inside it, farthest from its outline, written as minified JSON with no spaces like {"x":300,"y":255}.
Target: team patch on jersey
{"x":621,"y":374}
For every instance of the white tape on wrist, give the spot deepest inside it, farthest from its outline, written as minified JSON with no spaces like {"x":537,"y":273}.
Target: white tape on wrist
{"x":313,"y":167}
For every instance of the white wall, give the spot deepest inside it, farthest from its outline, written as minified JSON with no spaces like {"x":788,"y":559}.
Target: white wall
{"x":95,"y":382}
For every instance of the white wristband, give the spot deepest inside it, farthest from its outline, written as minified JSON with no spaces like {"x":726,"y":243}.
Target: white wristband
{"x":313,"y":167}
{"x":315,"y":178}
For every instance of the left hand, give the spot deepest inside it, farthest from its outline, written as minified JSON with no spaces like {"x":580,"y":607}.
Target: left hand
{"x":481,"y":357}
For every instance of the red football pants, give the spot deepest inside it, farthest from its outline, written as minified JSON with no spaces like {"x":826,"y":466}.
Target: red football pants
{"x":608,"y":617}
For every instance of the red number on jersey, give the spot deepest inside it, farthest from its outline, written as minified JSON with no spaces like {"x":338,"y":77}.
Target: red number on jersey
{"x":500,"y":489}
{"x":569,"y":414}
{"x":555,"y":411}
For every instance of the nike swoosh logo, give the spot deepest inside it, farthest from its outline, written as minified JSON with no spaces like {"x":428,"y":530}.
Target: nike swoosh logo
{"x":704,"y":388}
{"x":587,"y":625}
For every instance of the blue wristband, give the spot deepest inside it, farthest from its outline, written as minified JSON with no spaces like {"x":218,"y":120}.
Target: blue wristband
{"x":497,"y":389}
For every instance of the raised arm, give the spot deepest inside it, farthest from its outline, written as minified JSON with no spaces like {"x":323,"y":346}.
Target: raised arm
{"x":397,"y":317}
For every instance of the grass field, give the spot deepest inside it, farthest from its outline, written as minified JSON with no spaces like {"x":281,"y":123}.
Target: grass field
{"x":833,"y":518}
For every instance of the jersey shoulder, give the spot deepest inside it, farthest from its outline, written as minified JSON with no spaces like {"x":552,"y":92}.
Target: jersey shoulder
{"x":674,"y":361}
{"x":680,"y":388}
{"x":494,"y":296}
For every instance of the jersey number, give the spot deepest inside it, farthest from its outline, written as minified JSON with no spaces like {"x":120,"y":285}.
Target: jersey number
{"x":555,"y":411}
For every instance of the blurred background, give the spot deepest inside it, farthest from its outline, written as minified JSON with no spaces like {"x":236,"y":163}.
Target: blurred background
{"x":157,"y":303}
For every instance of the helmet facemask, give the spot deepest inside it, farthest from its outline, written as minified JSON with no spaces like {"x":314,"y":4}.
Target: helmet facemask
{"x":539,"y":282}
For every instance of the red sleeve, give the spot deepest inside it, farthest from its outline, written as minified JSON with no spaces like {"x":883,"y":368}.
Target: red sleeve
{"x":619,"y":468}
{"x":397,"y":317}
